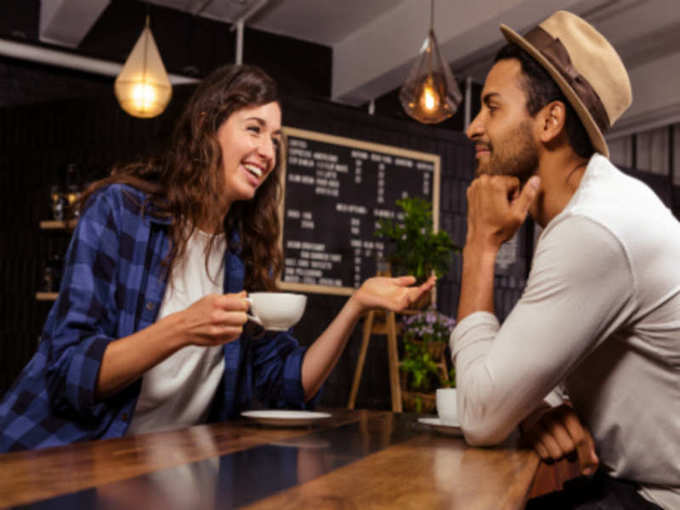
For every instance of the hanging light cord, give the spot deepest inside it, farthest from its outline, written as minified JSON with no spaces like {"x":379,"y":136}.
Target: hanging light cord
{"x":431,"y":15}
{"x":146,"y":41}
{"x":430,"y":36}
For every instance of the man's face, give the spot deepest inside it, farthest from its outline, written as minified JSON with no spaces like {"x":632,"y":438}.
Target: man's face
{"x":503,"y":129}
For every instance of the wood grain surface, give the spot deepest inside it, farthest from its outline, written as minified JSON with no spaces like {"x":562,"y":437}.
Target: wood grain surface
{"x":357,"y":459}
{"x":430,"y":471}
{"x":39,"y":474}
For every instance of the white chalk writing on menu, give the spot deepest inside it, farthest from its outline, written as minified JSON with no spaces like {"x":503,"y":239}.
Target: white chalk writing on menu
{"x":335,"y":193}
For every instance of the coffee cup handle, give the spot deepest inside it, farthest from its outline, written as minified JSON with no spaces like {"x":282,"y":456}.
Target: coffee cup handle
{"x":252,"y":317}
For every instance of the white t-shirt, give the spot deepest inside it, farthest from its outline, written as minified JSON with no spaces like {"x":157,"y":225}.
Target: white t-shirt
{"x":178,"y":391}
{"x":601,"y":314}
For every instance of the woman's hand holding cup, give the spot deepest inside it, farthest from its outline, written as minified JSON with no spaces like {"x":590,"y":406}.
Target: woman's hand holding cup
{"x":215,"y":319}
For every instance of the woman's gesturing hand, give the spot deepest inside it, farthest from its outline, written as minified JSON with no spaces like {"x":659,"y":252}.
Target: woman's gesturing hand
{"x":215,"y":319}
{"x":392,"y":293}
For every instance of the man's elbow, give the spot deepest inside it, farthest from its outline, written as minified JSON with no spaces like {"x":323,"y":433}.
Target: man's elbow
{"x":483,"y":432}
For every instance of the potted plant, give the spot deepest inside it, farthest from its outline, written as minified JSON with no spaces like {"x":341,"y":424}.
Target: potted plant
{"x":413,"y":245}
{"x":424,"y":366}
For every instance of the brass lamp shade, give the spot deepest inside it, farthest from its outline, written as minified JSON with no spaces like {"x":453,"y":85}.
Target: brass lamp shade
{"x":142,"y":87}
{"x":430,"y":93}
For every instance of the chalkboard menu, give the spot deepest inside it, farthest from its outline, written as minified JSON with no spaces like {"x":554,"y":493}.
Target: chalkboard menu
{"x":335,"y":191}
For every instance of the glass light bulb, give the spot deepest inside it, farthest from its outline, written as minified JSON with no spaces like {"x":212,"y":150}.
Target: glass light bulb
{"x":430,"y":93}
{"x":143,"y":95}
{"x":429,"y":99}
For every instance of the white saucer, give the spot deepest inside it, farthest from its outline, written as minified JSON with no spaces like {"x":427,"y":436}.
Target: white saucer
{"x":285,"y":417}
{"x":437,"y":425}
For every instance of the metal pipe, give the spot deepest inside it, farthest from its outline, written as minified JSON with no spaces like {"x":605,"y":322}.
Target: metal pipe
{"x":239,"y":42}
{"x":249,"y":12}
{"x":468,"y":101}
{"x":56,"y":58}
{"x":239,"y":25}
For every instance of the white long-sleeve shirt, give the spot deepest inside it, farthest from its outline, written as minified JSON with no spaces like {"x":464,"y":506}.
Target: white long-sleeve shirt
{"x":601,"y":314}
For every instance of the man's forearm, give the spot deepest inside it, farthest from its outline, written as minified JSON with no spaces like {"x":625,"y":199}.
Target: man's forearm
{"x":476,"y":293}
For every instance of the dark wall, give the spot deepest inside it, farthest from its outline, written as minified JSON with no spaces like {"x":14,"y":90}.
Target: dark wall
{"x":50,"y":117}
{"x":36,"y":144}
{"x":72,"y":117}
{"x":40,"y":140}
{"x":456,"y":165}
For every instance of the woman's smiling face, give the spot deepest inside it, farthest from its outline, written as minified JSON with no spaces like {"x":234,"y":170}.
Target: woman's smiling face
{"x":249,"y":139}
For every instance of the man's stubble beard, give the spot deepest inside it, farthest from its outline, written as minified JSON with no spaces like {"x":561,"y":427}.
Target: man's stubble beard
{"x":520,"y":162}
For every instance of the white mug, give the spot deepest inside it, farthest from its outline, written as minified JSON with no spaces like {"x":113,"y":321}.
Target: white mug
{"x":276,"y":311}
{"x":447,"y":406}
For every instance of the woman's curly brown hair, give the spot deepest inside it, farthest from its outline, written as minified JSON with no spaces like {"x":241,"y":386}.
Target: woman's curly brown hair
{"x":186,"y":183}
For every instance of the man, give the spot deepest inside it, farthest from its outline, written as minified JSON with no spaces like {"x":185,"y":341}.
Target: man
{"x":600,"y":314}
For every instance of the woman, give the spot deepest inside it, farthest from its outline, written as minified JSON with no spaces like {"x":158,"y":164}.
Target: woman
{"x":147,"y":332}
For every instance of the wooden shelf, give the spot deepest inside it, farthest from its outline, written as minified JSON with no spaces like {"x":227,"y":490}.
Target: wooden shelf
{"x":58,"y":225}
{"x":46,"y":296}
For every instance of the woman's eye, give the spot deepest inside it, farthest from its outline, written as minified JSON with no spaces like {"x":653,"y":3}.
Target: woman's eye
{"x":254,"y":129}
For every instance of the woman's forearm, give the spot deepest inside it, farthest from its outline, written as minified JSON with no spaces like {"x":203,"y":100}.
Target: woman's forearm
{"x":125,"y":360}
{"x":324,"y":353}
{"x":394,"y":294}
{"x":212,"y":320}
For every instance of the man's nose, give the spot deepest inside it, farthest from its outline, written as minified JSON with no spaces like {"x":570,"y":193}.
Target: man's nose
{"x":475,"y":128}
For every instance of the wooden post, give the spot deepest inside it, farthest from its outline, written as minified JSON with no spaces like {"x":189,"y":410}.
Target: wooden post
{"x":389,"y":328}
{"x":393,"y":357}
{"x":366,"y":337}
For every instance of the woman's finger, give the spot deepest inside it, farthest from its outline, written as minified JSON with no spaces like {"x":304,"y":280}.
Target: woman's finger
{"x":404,"y":281}
{"x":219,"y":335}
{"x":233,"y":318}
{"x":233,"y":301}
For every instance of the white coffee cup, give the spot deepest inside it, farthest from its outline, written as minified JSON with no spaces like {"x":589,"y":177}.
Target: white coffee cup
{"x":276,"y":311}
{"x":447,"y":406}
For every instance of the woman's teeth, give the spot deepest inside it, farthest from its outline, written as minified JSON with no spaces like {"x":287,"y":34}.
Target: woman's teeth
{"x":257,"y":172}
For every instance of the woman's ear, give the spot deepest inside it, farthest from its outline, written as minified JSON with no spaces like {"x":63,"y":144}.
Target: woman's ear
{"x":553,"y":118}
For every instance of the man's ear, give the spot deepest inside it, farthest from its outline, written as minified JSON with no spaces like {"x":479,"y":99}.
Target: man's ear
{"x":552,"y":120}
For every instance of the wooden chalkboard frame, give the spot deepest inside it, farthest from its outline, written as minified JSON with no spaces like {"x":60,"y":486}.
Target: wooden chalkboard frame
{"x":288,"y":131}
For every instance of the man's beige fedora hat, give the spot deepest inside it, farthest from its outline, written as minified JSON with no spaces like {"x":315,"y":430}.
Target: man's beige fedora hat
{"x":585,"y":66}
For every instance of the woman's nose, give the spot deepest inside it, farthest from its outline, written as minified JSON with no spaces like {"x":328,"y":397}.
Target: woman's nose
{"x":267,"y":149}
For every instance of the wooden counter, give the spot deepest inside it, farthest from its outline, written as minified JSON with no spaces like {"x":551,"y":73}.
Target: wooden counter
{"x":356,"y":459}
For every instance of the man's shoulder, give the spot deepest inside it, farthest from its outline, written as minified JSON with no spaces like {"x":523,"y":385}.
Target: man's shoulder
{"x":614,"y":199}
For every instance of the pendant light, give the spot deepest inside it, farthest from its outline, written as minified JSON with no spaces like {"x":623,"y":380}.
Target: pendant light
{"x":143,"y":88}
{"x":430,"y":93}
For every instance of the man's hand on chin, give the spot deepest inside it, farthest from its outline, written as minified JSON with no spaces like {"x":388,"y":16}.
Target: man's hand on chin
{"x":497,"y":207}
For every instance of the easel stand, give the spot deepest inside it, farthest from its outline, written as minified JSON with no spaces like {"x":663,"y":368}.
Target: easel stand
{"x":387,"y":327}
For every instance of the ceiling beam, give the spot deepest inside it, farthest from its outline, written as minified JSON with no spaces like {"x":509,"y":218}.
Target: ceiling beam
{"x":48,"y":56}
{"x":67,"y":22}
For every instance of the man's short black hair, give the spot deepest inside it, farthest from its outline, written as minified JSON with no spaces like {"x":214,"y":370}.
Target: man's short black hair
{"x":541,"y":89}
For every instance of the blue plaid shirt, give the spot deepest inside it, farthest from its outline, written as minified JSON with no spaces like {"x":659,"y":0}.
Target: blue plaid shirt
{"x":113,"y":285}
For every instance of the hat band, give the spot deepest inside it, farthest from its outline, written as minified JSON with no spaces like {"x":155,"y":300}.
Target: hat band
{"x":556,"y":53}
